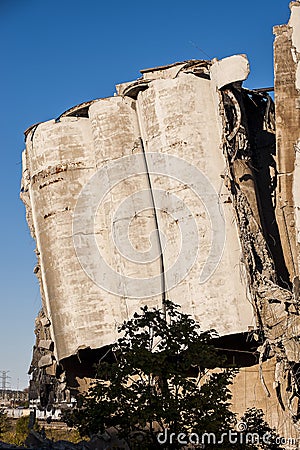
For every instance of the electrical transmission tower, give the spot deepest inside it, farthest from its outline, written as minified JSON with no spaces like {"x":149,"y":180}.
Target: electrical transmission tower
{"x":4,"y":377}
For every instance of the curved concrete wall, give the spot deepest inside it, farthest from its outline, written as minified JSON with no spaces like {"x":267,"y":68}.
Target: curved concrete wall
{"x":180,"y":117}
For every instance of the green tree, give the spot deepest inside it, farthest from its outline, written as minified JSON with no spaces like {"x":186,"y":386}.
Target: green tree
{"x":161,"y":379}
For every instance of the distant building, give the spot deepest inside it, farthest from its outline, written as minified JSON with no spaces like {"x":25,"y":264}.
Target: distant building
{"x":11,"y":396}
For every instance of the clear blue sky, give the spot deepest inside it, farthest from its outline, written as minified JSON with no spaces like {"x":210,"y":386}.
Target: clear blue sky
{"x":56,"y":54}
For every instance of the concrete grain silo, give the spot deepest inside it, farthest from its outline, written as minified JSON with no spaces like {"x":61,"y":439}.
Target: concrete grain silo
{"x":166,"y":190}
{"x":171,"y":111}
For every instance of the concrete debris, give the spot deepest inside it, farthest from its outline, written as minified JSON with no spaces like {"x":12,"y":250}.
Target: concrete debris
{"x":45,"y":360}
{"x":11,"y":446}
{"x":45,"y":322}
{"x":230,"y":70}
{"x":46,"y":344}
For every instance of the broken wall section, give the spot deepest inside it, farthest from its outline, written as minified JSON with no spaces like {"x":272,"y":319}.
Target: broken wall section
{"x":287,"y":101}
{"x":248,"y":125}
{"x":263,"y":179}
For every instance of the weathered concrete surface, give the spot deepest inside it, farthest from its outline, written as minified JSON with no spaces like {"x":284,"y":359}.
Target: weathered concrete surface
{"x":287,"y":101}
{"x":230,"y":70}
{"x":178,"y":116}
{"x":249,"y":392}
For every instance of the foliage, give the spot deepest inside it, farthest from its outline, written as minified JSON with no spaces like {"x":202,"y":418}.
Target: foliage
{"x":4,"y":422}
{"x":58,"y":433}
{"x":22,"y":430}
{"x":256,"y":425}
{"x":161,"y":378}
{"x":18,"y":431}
